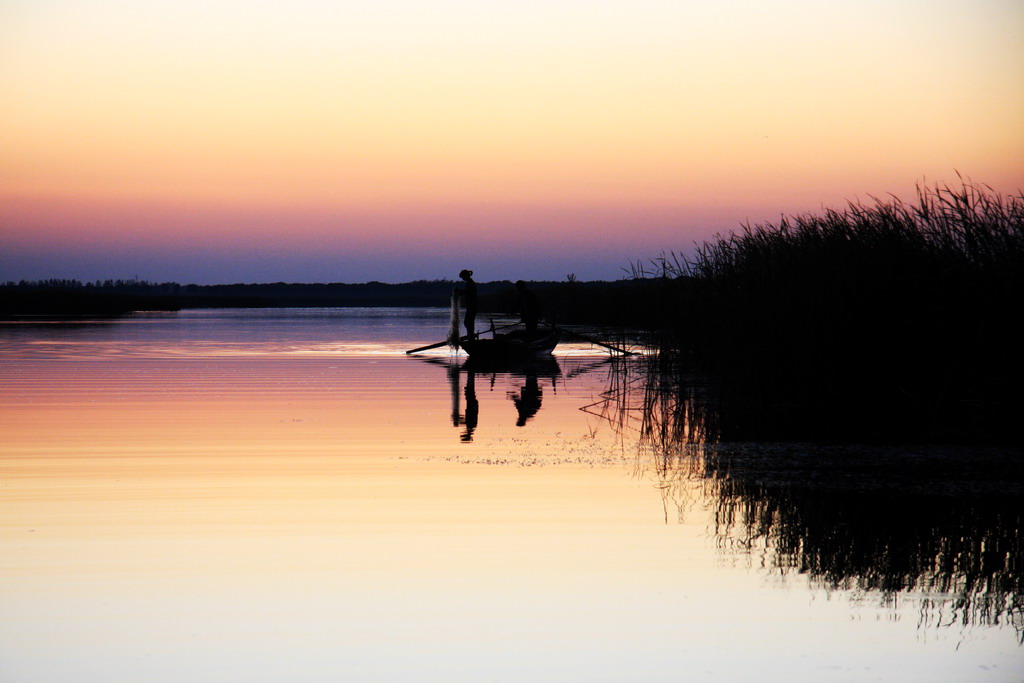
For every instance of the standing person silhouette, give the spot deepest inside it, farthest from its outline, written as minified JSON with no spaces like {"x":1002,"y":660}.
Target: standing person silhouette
{"x":469,"y":300}
{"x":530,"y":306}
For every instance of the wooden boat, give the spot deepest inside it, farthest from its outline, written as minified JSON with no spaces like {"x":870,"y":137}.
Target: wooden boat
{"x":519,"y":344}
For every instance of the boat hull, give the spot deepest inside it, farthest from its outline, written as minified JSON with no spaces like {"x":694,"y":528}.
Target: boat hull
{"x":516,"y":345}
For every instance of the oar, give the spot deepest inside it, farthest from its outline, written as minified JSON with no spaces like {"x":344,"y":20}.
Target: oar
{"x":594,"y":341}
{"x":461,"y":339}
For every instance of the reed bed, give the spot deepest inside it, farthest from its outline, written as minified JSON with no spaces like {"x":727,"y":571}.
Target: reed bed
{"x":892,"y":319}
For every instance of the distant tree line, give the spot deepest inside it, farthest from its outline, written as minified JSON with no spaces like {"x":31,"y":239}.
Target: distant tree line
{"x":133,"y":286}
{"x":567,"y":301}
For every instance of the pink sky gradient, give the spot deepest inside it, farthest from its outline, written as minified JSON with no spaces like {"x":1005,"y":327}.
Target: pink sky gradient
{"x":220,"y":141}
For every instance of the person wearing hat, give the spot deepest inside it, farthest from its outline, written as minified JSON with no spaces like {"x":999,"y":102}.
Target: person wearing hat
{"x":469,"y":302}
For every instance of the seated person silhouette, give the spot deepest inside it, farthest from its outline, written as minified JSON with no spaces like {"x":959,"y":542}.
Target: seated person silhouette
{"x":528,"y":400}
{"x":530,"y":307}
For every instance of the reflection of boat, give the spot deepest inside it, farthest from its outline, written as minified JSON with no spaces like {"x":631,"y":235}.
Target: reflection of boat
{"x":516,"y":345}
{"x":543,"y":366}
{"x":523,"y":379}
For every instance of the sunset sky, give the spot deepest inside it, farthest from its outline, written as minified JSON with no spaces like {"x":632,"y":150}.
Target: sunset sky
{"x":227,"y":141}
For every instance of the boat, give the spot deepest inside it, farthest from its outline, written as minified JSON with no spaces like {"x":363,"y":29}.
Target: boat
{"x":518,"y":344}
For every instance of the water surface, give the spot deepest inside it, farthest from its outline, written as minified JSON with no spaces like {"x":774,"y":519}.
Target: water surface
{"x":275,"y":494}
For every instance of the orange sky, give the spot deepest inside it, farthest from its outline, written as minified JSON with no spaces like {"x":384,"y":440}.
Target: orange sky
{"x":224,"y":141}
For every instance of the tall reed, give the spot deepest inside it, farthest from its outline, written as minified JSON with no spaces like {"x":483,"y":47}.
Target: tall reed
{"x":890,"y":315}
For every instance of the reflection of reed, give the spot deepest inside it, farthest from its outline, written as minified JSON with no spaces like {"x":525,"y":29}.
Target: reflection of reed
{"x":671,"y":423}
{"x":961,"y":554}
{"x":940,"y":525}
{"x":614,"y":406}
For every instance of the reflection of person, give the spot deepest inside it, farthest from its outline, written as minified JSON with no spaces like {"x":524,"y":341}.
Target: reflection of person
{"x":470,"y":417}
{"x":472,"y":408}
{"x":469,"y":302}
{"x":527,"y":401}
{"x":530,"y":306}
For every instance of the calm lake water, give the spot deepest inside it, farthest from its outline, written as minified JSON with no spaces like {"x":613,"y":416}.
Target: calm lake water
{"x":270,"y":495}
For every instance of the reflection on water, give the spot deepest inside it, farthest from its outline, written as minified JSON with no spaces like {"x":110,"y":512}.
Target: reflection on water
{"x":526,"y":393}
{"x":469,"y":418}
{"x":224,"y":496}
{"x":527,"y":400}
{"x":937,"y":525}
{"x":890,"y":523}
{"x":885,"y":521}
{"x":223,"y":333}
{"x":523,"y":381}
